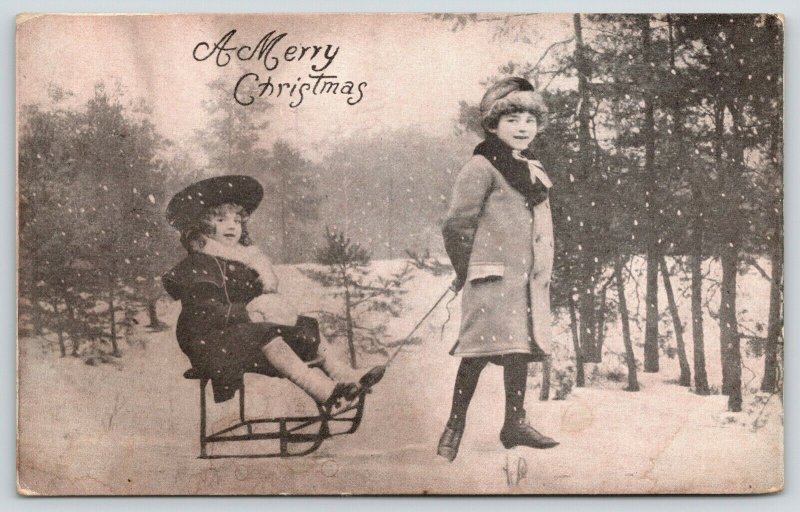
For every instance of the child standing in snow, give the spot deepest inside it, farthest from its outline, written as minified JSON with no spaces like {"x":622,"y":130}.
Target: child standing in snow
{"x":232,"y":320}
{"x":498,"y":234}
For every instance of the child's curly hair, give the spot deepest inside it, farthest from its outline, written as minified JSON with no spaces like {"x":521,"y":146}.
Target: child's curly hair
{"x":193,"y":236}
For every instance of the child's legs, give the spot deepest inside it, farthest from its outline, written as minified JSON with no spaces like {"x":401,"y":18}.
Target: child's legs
{"x":515,"y":378}
{"x":466,"y":381}
{"x":311,"y":380}
{"x":306,"y":340}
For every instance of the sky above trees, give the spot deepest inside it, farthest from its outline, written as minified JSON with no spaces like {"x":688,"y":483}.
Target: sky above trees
{"x":417,"y":69}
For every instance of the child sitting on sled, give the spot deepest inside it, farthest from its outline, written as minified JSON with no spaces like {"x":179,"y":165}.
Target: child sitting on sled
{"x":232,"y":319}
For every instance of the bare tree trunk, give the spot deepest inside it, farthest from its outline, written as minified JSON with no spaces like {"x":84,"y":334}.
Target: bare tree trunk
{"x":348,"y":316}
{"x":770,"y":381}
{"x":725,"y":325}
{"x":59,"y":327}
{"x":630,"y":358}
{"x":774,"y":344}
{"x":695,"y":260}
{"x":729,"y":328}
{"x":773,"y":357}
{"x":36,"y":311}
{"x":580,"y":380}
{"x":71,"y":330}
{"x":696,"y":251}
{"x":114,"y":348}
{"x":588,"y":325}
{"x":601,"y":325}
{"x":586,"y":300}
{"x":648,"y":131}
{"x":695,"y":264}
{"x":686,"y":375}
{"x":729,"y":332}
{"x":547,"y":366}
{"x":152,"y":313}
{"x":651,"y":364}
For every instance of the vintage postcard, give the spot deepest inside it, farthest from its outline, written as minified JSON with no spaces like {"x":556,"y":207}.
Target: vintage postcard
{"x":400,"y":254}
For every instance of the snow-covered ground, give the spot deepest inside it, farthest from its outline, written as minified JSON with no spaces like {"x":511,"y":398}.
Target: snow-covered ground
{"x":131,"y":427}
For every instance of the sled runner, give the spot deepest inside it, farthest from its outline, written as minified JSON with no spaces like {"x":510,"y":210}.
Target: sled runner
{"x":297,"y":435}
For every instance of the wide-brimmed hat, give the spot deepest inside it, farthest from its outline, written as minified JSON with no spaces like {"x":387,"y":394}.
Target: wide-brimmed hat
{"x":193,"y":201}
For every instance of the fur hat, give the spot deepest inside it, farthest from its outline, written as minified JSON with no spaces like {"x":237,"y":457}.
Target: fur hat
{"x":194,"y":200}
{"x":511,"y":95}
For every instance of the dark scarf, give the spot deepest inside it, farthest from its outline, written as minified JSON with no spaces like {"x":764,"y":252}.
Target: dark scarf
{"x":515,"y":171}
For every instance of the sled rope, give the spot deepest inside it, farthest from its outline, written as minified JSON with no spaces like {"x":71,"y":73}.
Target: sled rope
{"x":447,"y":320}
{"x":408,"y":336}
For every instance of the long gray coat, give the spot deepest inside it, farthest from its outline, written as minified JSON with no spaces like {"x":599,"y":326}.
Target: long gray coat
{"x":505,"y":305}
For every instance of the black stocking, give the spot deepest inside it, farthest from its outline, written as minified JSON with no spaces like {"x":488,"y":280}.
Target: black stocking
{"x":466,"y":381}
{"x":515,"y":377}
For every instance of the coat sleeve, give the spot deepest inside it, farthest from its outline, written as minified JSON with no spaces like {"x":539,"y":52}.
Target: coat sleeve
{"x":170,"y":283}
{"x":473,"y":185}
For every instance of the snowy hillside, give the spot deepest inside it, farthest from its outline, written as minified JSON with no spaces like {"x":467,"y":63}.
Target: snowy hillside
{"x":131,"y":427}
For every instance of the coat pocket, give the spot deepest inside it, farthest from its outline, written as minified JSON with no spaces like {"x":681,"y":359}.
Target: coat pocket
{"x":485,"y":272}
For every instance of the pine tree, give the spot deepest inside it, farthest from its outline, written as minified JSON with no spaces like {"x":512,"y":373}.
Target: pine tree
{"x":92,"y":206}
{"x":348,"y":274}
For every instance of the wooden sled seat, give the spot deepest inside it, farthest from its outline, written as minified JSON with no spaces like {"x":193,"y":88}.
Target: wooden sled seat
{"x":296,"y":435}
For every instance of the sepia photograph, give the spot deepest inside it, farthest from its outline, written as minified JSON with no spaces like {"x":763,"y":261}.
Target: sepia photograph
{"x":400,"y":254}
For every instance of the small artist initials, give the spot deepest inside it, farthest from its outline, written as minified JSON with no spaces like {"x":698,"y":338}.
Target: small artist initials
{"x":515,"y":471}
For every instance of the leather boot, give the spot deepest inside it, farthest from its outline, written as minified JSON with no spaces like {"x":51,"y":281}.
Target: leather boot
{"x":449,"y":442}
{"x":520,"y":433}
{"x":370,"y":378}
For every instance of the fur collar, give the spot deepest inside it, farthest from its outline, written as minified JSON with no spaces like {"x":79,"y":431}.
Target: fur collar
{"x":516,"y":171}
{"x":249,"y":255}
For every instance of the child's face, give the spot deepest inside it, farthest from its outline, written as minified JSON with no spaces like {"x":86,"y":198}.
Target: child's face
{"x":227,"y":227}
{"x":517,"y":130}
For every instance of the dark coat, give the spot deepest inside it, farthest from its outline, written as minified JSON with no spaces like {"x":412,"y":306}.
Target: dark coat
{"x":214,"y":329}
{"x":503,"y":252}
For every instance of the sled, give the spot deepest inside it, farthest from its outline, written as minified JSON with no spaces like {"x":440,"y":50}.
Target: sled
{"x":296,"y":435}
